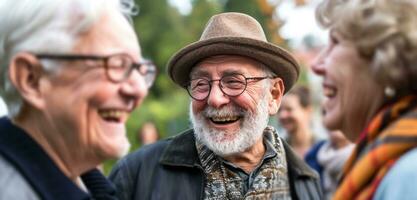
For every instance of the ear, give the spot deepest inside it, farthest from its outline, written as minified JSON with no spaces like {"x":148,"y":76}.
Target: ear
{"x":25,"y":73}
{"x":277,"y":91}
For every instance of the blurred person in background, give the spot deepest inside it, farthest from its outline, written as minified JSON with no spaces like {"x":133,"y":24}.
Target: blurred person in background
{"x":71,"y":73}
{"x":369,"y":72}
{"x":148,"y":133}
{"x":236,"y":80}
{"x":328,"y":157}
{"x":294,"y":116}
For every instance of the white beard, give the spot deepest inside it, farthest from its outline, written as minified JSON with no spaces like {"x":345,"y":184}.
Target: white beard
{"x":250,"y":131}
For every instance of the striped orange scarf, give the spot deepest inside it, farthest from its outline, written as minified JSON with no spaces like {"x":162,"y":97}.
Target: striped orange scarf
{"x":391,"y":133}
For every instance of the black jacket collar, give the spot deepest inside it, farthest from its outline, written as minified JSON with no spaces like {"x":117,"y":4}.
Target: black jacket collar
{"x":298,"y":167}
{"x":35,"y":165}
{"x":181,"y":151}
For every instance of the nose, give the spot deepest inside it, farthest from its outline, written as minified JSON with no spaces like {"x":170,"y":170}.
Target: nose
{"x":216,"y":97}
{"x":318,"y":63}
{"x":134,"y":87}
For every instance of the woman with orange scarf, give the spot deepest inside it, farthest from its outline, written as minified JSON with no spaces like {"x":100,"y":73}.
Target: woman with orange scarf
{"x":369,"y":71}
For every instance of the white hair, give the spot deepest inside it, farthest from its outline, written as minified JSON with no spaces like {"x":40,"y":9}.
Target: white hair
{"x":45,"y":26}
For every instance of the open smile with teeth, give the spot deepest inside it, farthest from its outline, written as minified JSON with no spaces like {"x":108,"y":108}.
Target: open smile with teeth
{"x":224,"y":119}
{"x":112,"y":115}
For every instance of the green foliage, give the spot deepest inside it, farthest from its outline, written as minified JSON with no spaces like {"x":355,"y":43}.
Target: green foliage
{"x":200,"y":14}
{"x":251,"y":8}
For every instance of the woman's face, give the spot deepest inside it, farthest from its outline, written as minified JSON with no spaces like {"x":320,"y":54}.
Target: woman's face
{"x":351,"y":95}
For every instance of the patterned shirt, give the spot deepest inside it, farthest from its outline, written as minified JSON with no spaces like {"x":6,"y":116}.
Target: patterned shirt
{"x":269,"y":180}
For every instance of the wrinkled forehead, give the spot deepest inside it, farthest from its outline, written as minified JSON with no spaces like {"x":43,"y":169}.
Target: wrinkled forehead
{"x":225,"y":65}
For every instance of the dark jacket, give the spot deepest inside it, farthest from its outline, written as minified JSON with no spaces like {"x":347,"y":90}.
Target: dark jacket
{"x":39,"y":174}
{"x":170,"y":169}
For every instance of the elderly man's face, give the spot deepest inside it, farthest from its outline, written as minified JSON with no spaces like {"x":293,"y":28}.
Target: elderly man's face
{"x":229,"y":125}
{"x":83,"y":104}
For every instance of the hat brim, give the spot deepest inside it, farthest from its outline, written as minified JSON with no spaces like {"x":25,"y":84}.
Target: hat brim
{"x":274,"y":57}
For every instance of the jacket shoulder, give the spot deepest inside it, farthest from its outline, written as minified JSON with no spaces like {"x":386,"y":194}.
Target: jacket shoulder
{"x":398,"y":183}
{"x":154,"y":153}
{"x":304,"y":181}
{"x":12,"y":184}
{"x":143,"y":163}
{"x":146,"y":154}
{"x":125,"y":172}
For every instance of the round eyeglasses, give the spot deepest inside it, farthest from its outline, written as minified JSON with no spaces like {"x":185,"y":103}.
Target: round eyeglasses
{"x":118,"y":66}
{"x":231,"y":85}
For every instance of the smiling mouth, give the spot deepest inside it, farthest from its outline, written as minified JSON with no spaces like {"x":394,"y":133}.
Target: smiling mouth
{"x":111,"y":115}
{"x":224,"y":119}
{"x":329,"y":91}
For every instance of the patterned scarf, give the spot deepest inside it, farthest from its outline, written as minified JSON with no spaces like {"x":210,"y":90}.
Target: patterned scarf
{"x":332,"y":160}
{"x":390,"y":134}
{"x":271,"y":182}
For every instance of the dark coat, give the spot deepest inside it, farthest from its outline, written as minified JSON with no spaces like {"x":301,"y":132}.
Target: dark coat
{"x":170,"y":169}
{"x":39,"y":173}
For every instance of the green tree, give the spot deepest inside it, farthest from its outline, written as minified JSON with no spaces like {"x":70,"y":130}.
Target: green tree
{"x":262,"y":11}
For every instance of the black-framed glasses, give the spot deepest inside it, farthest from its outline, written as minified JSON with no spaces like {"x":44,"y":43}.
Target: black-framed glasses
{"x":118,"y":66}
{"x":231,"y":85}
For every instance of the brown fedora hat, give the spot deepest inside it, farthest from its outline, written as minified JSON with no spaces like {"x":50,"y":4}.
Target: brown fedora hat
{"x":233,"y":34}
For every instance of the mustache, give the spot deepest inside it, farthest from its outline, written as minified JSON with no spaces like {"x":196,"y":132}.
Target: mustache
{"x":230,"y":110}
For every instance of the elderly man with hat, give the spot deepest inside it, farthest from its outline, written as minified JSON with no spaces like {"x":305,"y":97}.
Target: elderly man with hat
{"x":236,"y":80}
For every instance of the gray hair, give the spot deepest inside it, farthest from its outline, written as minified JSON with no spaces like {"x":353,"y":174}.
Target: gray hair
{"x":383,"y":31}
{"x":45,"y":26}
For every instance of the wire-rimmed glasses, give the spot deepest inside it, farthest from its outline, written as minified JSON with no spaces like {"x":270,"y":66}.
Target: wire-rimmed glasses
{"x":231,"y":85}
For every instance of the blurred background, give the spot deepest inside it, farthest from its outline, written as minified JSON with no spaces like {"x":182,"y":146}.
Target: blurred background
{"x":165,"y":26}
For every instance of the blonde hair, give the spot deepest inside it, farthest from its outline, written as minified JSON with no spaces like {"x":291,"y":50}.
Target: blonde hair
{"x":383,"y":31}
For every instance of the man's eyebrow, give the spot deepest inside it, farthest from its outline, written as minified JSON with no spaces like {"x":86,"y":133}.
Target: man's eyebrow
{"x":231,"y":72}
{"x":202,"y":73}
{"x":199,"y":73}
